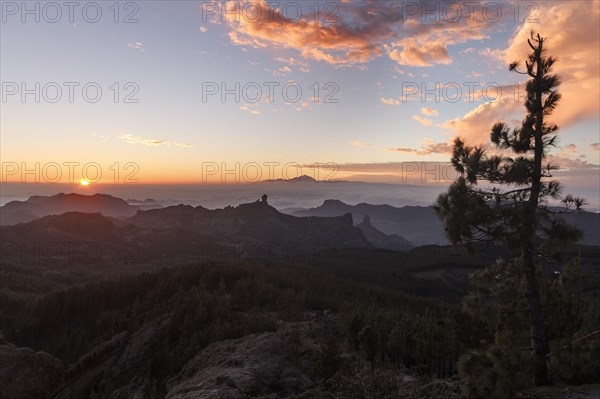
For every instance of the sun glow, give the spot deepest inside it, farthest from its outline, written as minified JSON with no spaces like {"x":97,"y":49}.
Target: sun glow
{"x":84,"y":182}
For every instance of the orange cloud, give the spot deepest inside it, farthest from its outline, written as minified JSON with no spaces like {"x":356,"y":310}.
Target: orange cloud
{"x":361,"y":33}
{"x":476,"y":125}
{"x":424,"y":55}
{"x":426,"y":44}
{"x":422,"y":121}
{"x":428,"y":148}
{"x":573,"y":36}
{"x":334,"y":44}
{"x":283,"y":71}
{"x":429,"y":111}
{"x":358,"y":143}
{"x":150,"y":142}
{"x":389,"y":101}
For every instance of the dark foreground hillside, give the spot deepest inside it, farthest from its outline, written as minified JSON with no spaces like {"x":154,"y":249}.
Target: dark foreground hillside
{"x":247,"y":302}
{"x":350,"y":324}
{"x":248,"y":330}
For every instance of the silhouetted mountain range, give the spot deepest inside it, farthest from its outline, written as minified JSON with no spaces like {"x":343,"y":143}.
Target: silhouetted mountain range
{"x":417,"y":224}
{"x":248,"y":230}
{"x":106,"y":224}
{"x":382,"y":240}
{"x":256,"y":222}
{"x":38,"y":206}
{"x":420,"y":225}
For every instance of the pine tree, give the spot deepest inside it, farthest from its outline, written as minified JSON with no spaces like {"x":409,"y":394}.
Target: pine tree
{"x":514,"y":209}
{"x":368,"y":342}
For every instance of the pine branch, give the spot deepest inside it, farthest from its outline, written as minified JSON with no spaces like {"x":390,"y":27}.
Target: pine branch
{"x":586,"y":337}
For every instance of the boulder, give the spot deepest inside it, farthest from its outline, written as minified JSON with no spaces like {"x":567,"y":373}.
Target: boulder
{"x":25,"y":373}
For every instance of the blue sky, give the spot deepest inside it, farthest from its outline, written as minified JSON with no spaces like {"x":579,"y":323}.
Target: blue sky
{"x":170,"y":53}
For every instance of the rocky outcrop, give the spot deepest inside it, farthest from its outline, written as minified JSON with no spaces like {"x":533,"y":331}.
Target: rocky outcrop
{"x":286,"y":363}
{"x":120,"y":359}
{"x":381,"y":240}
{"x":255,"y":224}
{"x":280,"y":363}
{"x":25,"y":373}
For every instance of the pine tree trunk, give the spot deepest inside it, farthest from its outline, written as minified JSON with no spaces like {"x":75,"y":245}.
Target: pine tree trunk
{"x":539,"y":343}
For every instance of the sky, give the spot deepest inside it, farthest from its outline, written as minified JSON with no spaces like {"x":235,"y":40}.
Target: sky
{"x":206,"y":92}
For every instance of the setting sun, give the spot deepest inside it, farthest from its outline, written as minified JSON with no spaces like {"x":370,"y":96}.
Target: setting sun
{"x":84,"y":182}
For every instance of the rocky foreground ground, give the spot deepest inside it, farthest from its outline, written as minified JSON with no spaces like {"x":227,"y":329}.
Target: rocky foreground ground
{"x":279,"y":364}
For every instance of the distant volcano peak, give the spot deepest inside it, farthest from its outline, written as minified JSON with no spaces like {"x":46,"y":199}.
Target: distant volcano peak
{"x":299,"y":179}
{"x":303,"y":178}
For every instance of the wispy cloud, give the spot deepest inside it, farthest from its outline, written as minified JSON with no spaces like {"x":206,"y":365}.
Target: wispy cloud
{"x":496,"y":55}
{"x":137,"y":46}
{"x":150,"y":142}
{"x":421,"y":55}
{"x":358,"y":143}
{"x":295,"y":63}
{"x":389,"y":101}
{"x":283,"y":71}
{"x":565,"y":162}
{"x":102,"y":138}
{"x":429,"y":111}
{"x":474,"y":74}
{"x":428,"y":148}
{"x":422,"y":121}
{"x":251,"y":108}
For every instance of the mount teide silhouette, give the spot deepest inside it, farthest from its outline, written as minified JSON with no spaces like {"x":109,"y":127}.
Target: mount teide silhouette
{"x":303,"y":179}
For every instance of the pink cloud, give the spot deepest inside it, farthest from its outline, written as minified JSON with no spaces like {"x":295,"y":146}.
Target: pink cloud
{"x":422,"y":121}
{"x":429,"y":111}
{"x":428,"y":148}
{"x":362,"y":32}
{"x":573,"y":36}
{"x":476,"y":125}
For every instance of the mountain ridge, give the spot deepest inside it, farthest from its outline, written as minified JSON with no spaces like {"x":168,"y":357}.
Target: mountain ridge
{"x":253,"y":229}
{"x":37,"y":206}
{"x":420,"y":224}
